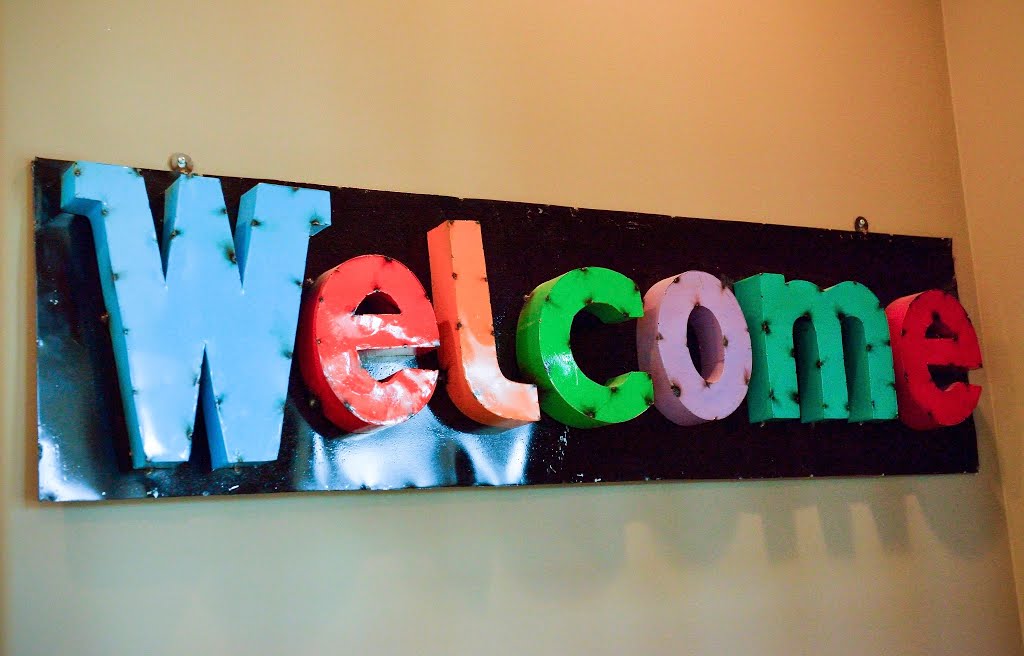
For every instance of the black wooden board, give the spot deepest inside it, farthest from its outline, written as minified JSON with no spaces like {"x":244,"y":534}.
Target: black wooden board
{"x":83,"y":440}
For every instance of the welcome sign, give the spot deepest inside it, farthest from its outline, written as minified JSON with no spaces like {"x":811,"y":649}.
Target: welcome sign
{"x":201,"y":335}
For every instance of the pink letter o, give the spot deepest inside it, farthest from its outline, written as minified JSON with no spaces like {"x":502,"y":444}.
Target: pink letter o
{"x":684,"y":395}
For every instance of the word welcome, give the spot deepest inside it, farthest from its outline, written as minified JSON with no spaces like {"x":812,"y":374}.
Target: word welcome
{"x":202,"y":315}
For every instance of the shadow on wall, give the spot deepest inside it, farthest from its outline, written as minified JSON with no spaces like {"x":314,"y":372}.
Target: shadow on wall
{"x":696,"y":523}
{"x":577,"y":542}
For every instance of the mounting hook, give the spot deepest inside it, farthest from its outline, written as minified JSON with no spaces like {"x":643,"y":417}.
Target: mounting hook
{"x":181,"y":163}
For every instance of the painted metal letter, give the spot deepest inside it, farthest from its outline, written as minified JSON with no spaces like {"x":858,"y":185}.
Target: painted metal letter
{"x":544,"y":353}
{"x":208,"y":311}
{"x":806,"y":341}
{"x":333,"y":334}
{"x":683,"y":394}
{"x":931,"y":329}
{"x":462,"y":303}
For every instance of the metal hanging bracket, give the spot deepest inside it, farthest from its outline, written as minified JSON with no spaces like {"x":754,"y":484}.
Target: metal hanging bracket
{"x":181,"y":163}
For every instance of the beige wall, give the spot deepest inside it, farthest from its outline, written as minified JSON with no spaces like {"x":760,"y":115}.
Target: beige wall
{"x":798,"y":111}
{"x":985,"y":40}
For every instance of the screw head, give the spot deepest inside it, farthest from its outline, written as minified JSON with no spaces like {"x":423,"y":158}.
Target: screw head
{"x":181,"y":163}
{"x":860,"y":224}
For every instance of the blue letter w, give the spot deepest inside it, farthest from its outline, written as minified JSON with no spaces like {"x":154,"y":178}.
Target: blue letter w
{"x":206,"y":312}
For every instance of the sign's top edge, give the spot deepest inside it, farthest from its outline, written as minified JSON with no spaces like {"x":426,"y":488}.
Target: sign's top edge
{"x":60,"y":163}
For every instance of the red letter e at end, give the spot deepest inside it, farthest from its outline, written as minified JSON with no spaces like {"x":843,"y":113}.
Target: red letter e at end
{"x":930,"y":333}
